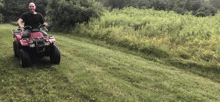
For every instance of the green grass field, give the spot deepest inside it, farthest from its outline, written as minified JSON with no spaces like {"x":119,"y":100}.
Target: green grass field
{"x":93,"y":71}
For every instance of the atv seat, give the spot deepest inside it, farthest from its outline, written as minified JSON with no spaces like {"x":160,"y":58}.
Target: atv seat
{"x":25,"y":34}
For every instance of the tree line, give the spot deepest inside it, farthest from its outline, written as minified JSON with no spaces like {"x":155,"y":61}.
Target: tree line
{"x":63,"y":14}
{"x":197,"y":7}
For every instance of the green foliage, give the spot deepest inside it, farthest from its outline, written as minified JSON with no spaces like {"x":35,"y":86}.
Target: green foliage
{"x":1,"y":4}
{"x":215,"y":3}
{"x":192,"y":5}
{"x":206,"y":11}
{"x":117,"y":3}
{"x":159,"y":4}
{"x":63,"y":14}
{"x":1,"y":8}
{"x":179,"y":10}
{"x":1,"y":18}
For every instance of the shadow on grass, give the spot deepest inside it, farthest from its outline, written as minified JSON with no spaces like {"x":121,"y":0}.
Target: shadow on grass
{"x":41,"y":63}
{"x":37,"y":63}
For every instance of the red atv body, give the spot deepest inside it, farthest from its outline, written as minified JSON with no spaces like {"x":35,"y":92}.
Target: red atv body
{"x":36,"y":45}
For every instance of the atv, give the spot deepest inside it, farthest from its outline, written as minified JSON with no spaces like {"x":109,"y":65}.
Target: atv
{"x":36,"y":45}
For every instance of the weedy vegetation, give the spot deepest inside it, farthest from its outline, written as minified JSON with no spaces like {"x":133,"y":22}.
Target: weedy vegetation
{"x":184,"y":41}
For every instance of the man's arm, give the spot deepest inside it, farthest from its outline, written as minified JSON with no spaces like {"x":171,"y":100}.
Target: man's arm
{"x":42,"y":20}
{"x":19,"y":23}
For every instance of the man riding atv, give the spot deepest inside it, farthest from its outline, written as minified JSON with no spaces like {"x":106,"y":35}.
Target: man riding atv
{"x":32,"y":41}
{"x":32,"y":18}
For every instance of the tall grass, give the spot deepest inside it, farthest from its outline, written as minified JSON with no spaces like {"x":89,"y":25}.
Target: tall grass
{"x":183,"y":40}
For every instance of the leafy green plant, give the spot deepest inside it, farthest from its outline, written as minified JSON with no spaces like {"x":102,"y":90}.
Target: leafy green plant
{"x":63,"y":14}
{"x":205,"y":11}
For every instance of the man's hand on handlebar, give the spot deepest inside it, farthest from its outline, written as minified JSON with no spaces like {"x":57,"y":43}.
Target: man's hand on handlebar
{"x":46,"y":24}
{"x":21,"y":26}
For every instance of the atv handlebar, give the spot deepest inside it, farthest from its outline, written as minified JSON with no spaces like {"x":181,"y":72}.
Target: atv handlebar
{"x":19,"y":30}
{"x":41,"y":25}
{"x":16,"y":31}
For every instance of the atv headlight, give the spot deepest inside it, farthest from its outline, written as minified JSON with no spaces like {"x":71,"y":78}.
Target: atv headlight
{"x":47,"y":43}
{"x":32,"y":45}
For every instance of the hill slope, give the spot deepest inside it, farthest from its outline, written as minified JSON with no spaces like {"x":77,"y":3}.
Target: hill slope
{"x":88,"y":72}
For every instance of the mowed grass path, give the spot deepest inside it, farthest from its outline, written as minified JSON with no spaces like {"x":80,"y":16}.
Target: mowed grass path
{"x":88,"y":72}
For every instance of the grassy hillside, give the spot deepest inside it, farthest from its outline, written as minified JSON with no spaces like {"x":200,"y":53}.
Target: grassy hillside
{"x":88,"y":72}
{"x":184,"y":41}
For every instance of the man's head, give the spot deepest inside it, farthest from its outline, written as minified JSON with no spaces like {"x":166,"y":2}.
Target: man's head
{"x":32,"y":7}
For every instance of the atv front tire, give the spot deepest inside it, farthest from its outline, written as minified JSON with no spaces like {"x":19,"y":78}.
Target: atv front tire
{"x":55,"y":54}
{"x":25,"y":60}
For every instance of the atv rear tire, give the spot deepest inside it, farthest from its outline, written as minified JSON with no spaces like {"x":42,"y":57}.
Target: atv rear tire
{"x":15,"y":49}
{"x":55,"y":54}
{"x":25,"y":60}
